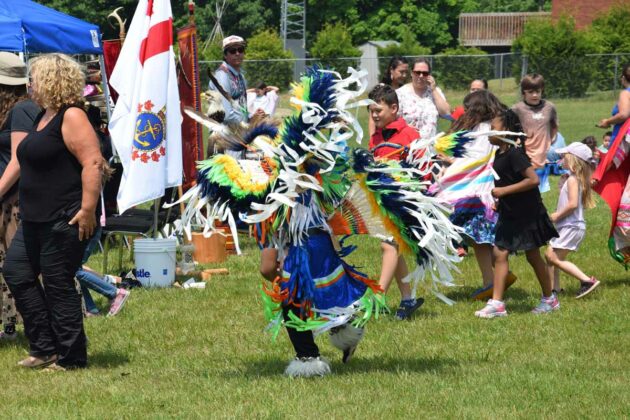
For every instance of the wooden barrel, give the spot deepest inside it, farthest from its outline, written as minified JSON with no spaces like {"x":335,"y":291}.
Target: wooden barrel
{"x":209,"y":250}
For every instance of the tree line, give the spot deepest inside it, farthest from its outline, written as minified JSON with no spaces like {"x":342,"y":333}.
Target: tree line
{"x":433,"y":23}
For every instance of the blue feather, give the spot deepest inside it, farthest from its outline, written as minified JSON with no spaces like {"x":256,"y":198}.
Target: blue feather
{"x":262,"y":129}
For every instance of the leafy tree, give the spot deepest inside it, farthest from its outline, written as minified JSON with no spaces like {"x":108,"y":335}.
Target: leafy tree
{"x":502,"y":6}
{"x":556,"y":50}
{"x":408,"y":47}
{"x":612,"y":29}
{"x":332,"y":42}
{"x":265,"y":45}
{"x":612,"y":33}
{"x":242,"y":17}
{"x":97,"y":15}
{"x":434,"y":22}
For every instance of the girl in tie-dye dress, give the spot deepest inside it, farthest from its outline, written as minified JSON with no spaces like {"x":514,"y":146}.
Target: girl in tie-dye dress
{"x":467,"y":183}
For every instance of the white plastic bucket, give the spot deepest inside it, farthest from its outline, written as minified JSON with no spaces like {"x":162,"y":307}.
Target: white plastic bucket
{"x":155,"y":261}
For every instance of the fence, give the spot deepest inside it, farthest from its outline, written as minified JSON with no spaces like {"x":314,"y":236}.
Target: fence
{"x":566,"y":76}
{"x":452,"y":71}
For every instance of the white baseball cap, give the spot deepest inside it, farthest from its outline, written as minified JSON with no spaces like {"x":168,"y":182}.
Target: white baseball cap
{"x":233,"y":40}
{"x":579,"y":150}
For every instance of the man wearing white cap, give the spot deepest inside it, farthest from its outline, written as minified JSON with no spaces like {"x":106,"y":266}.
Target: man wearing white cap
{"x":232,"y":81}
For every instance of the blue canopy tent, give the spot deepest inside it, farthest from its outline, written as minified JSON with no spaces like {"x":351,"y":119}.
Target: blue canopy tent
{"x":29,"y":27}
{"x":10,"y":32}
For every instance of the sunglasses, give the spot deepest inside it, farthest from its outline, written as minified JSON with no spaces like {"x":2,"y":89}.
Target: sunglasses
{"x":240,"y":50}
{"x":421,"y":73}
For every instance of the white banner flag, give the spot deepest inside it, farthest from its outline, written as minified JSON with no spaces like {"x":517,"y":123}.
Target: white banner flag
{"x":146,"y":124}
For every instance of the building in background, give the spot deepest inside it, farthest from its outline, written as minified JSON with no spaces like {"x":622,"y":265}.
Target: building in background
{"x":494,"y":32}
{"x":583,"y":11}
{"x":370,"y":59}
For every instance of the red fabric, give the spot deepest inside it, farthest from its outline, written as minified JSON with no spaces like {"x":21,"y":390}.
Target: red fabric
{"x":612,"y":182}
{"x":111,"y":51}
{"x":158,"y":40}
{"x":189,"y":95}
{"x":457,"y":112}
{"x":404,"y":136}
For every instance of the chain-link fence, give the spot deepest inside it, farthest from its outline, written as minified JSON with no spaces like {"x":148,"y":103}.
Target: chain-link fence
{"x":565,"y":76}
{"x":571,"y":77}
{"x":453,"y":72}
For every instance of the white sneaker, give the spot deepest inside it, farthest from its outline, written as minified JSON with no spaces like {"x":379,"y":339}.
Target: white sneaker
{"x":494,"y":308}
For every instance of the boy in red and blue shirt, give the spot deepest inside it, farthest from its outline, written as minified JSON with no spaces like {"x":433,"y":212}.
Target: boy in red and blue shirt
{"x":390,"y":141}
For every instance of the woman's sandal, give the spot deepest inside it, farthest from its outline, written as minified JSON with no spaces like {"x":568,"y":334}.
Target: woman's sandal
{"x":33,"y":362}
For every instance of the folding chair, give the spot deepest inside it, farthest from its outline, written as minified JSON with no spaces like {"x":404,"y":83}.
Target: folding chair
{"x":134,"y":222}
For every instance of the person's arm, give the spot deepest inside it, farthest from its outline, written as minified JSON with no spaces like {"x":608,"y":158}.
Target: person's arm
{"x":438,"y":98}
{"x":529,"y":182}
{"x":572,"y":204}
{"x":80,"y":139}
{"x":273,"y":89}
{"x":554,"y":124}
{"x":12,"y":172}
{"x":622,"y":115}
{"x":272,"y":101}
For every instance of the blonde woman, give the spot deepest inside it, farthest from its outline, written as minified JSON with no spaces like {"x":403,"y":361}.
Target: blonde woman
{"x":60,"y":177}
{"x":17,"y":114}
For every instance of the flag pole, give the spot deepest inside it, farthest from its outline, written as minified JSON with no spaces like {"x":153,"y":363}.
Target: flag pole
{"x":156,"y":209}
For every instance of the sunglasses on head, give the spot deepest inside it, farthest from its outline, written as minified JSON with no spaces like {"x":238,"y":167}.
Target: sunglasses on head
{"x":421,"y":73}
{"x":235,"y":50}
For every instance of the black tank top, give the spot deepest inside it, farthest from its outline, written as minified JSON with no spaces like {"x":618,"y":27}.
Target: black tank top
{"x":50,"y":176}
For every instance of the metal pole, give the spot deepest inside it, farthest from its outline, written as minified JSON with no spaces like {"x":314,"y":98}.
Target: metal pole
{"x":501,"y":72}
{"x":156,"y":209}
{"x":616,"y":79}
{"x":106,"y":94}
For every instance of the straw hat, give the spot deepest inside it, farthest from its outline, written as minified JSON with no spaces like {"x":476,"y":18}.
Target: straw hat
{"x":12,"y":70}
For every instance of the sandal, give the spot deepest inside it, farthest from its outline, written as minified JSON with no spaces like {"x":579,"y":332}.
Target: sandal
{"x":33,"y":362}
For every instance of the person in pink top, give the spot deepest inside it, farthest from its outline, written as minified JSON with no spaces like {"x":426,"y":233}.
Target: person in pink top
{"x":540,"y":123}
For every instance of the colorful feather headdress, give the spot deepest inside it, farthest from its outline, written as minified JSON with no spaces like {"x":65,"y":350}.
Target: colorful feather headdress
{"x":310,"y":152}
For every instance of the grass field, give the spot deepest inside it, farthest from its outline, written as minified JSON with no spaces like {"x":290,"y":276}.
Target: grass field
{"x":202,"y":353}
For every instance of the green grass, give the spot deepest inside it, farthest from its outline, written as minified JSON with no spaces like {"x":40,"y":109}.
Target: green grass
{"x":202,"y":353}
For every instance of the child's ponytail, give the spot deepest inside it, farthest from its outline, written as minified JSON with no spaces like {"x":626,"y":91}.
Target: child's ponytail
{"x":583,"y":172}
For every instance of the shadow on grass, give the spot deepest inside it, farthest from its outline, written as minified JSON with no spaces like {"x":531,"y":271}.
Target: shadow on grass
{"x":275,"y":367}
{"x":463,"y":294}
{"x":107,"y":359}
{"x":615,"y":282}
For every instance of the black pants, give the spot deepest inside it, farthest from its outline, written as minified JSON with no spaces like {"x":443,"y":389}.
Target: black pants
{"x":303,"y":341}
{"x":53,"y":317}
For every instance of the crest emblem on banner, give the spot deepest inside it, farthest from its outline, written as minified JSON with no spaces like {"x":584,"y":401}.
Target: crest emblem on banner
{"x":148,"y":140}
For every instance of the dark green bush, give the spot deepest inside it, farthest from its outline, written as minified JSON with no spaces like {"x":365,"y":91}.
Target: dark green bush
{"x":454,"y":72}
{"x":558,"y":51}
{"x":264,"y":45}
{"x":331,"y":43}
{"x":612,"y":33}
{"x":267,"y":45}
